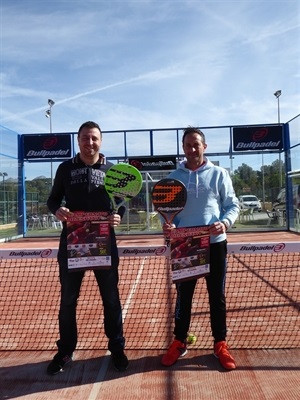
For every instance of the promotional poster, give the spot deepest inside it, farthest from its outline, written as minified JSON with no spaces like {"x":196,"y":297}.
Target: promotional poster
{"x":88,"y":241}
{"x":189,"y":253}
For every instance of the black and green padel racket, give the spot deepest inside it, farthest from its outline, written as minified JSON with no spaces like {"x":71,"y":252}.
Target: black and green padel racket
{"x":122,"y":182}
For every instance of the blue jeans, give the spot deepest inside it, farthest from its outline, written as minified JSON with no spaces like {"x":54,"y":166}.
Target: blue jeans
{"x":70,"y":287}
{"x":215,"y":283}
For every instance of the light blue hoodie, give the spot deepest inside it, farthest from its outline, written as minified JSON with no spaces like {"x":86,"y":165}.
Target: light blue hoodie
{"x":211,"y":197}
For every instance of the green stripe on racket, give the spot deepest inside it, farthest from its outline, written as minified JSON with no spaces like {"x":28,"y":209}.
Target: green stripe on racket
{"x":122,"y":182}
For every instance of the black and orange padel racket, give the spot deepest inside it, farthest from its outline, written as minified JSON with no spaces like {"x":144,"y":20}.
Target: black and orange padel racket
{"x":169,"y":198}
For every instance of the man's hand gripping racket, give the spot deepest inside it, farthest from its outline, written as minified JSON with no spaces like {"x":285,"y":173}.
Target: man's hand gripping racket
{"x":169,"y":198}
{"x":122,"y":182}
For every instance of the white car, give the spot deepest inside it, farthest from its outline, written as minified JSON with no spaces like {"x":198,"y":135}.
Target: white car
{"x":249,"y":201}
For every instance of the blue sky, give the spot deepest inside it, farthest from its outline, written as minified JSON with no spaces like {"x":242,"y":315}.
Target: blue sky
{"x":148,"y":63}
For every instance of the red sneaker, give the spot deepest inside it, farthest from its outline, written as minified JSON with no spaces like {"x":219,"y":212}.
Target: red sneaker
{"x":221,"y":351}
{"x":176,"y":350}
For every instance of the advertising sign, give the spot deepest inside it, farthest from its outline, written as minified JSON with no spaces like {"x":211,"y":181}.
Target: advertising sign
{"x":46,"y":146}
{"x":153,"y":163}
{"x":258,"y":138}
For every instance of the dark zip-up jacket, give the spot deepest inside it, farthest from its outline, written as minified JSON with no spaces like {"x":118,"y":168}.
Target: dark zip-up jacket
{"x":79,"y":187}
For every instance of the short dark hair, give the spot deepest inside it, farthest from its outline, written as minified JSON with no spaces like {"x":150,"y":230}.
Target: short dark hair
{"x":192,"y":129}
{"x":89,"y":124}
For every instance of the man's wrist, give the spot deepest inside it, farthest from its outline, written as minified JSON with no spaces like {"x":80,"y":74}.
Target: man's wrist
{"x":226,"y":224}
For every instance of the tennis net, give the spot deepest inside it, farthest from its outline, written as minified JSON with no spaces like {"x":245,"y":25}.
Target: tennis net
{"x":262,"y":291}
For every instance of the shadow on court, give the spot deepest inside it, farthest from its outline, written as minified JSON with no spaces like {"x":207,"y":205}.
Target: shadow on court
{"x":270,"y":374}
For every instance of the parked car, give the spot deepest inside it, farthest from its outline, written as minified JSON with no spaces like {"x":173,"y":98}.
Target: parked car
{"x":280,"y":202}
{"x":250,"y":201}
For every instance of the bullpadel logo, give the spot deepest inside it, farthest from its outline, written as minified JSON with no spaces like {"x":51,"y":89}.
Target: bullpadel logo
{"x":50,"y":142}
{"x":260,"y":134}
{"x":279,"y":247}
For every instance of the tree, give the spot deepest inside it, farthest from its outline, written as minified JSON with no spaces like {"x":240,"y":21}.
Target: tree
{"x":245,"y":180}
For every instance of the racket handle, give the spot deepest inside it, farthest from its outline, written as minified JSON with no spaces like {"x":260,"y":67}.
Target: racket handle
{"x":167,"y":234}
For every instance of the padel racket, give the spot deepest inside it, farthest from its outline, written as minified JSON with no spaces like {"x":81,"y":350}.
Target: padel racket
{"x":169,"y":198}
{"x":122,"y":182}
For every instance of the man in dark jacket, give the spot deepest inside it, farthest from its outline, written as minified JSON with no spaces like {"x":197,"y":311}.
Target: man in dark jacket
{"x":79,"y":186}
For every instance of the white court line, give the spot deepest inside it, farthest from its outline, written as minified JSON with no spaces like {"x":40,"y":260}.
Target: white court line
{"x":100,"y":376}
{"x":103,"y":369}
{"x":133,"y":289}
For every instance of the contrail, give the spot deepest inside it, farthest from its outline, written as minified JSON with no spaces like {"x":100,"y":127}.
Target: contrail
{"x":155,"y":75}
{"x":169,"y":72}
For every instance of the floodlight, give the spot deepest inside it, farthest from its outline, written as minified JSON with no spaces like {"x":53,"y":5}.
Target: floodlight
{"x":277,"y":93}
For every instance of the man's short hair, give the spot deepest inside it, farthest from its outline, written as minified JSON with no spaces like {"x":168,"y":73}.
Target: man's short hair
{"x":192,"y":129}
{"x":89,"y":124}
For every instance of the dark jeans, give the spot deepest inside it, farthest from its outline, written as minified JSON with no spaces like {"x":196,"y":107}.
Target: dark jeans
{"x":215,"y":283}
{"x":70,"y":287}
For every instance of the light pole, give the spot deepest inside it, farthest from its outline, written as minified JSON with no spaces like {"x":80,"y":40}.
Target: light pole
{"x":49,"y":115}
{"x":277,"y":94}
{"x":4,"y":174}
{"x":263,"y":178}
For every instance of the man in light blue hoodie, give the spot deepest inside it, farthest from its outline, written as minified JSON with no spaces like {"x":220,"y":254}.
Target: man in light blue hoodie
{"x":211,"y":201}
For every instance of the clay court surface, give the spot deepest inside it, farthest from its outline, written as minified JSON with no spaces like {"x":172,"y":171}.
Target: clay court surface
{"x":263,"y":321}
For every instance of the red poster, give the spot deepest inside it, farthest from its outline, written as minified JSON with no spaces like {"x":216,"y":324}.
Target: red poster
{"x":189,"y":253}
{"x":88,"y":241}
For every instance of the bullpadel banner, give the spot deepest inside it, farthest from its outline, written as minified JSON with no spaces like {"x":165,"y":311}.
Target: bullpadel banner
{"x":46,"y":146}
{"x":258,"y":138}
